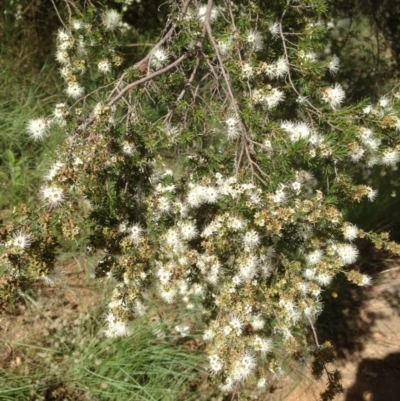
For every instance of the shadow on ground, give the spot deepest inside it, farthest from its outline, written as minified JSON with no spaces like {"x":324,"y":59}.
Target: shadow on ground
{"x":346,"y":321}
{"x":377,"y":380}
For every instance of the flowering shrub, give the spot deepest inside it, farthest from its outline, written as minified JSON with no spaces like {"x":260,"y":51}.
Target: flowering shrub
{"x":216,"y":172}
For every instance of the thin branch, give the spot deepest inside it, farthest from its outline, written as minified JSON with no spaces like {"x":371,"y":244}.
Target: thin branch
{"x":59,"y":16}
{"x":147,"y":78}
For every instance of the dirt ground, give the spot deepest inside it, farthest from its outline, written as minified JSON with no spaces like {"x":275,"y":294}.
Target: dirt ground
{"x":365,"y":329}
{"x":369,"y":362}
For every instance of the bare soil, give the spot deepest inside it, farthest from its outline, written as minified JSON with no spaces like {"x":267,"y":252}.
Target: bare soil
{"x":369,"y":356}
{"x":363,"y":324}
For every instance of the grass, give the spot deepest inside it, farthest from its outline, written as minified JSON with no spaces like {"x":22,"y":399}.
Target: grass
{"x":56,"y":353}
{"x":28,"y":89}
{"x":140,"y":367}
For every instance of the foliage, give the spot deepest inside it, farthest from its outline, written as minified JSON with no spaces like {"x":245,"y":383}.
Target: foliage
{"x":218,"y":171}
{"x":70,"y":360}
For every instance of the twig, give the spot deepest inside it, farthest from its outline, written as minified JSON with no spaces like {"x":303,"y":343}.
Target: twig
{"x":147,"y":78}
{"x":59,"y":17}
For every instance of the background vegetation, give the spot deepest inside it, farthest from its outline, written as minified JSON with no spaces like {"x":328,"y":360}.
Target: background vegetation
{"x":364,"y":35}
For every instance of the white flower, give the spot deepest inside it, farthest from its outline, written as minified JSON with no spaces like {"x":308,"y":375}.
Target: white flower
{"x":225,"y":46}
{"x":309,"y":274}
{"x":22,"y":240}
{"x":258,"y":322}
{"x":37,"y":128}
{"x":236,"y":224}
{"x":173,"y":238}
{"x":202,"y":14}
{"x":296,"y":186}
{"x":135,"y":233}
{"x":334,"y":65}
{"x":279,"y":196}
{"x":182,"y":330}
{"x":244,"y":367}
{"x":247,"y":272}
{"x":232,"y":122}
{"x":367,"y":109}
{"x":347,"y":253}
{"x":237,"y":324}
{"x":111,"y":20}
{"x":65,"y":72}
{"x":255,"y":40}
{"x":209,"y":230}
{"x":274,"y":29}
{"x":139,"y":309}
{"x":384,"y":101}
{"x":52,"y":195}
{"x":228,"y":384}
{"x":63,"y":35}
{"x":281,"y":67}
{"x":323,"y":279}
{"x":251,"y":239}
{"x":274,"y":98}
{"x":334,"y":96}
{"x":390,"y":158}
{"x":159,"y":58}
{"x":117,"y":328}
{"x":211,"y":194}
{"x":208,"y":335}
{"x":369,"y":141}
{"x":216,"y":364}
{"x":372,"y":194}
{"x":74,"y":90}
{"x":350,"y":231}
{"x":299,"y":130}
{"x":62,"y":57}
{"x":77,"y":25}
{"x":262,"y":383}
{"x":63,"y":46}
{"x":247,"y":70}
{"x":309,"y":56}
{"x":122,"y":227}
{"x":366,"y":281}
{"x":264,"y":345}
{"x":128,"y":148}
{"x":314,"y":257}
{"x":164,"y":204}
{"x":164,"y":275}
{"x":397,"y":126}
{"x":311,"y":312}
{"x":168,"y":295}
{"x":269,"y":70}
{"x":356,"y":154}
{"x":104,"y":66}
{"x":60,"y":111}
{"x":189,"y":231}
{"x":54,"y":169}
{"x":303,"y":287}
{"x":267,"y":145}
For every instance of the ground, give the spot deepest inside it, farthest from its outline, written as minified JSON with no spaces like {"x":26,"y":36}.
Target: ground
{"x":369,"y":360}
{"x":363,"y":323}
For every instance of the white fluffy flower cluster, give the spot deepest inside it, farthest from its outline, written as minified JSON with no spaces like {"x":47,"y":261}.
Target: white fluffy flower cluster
{"x":334,"y":95}
{"x":269,"y":98}
{"x":278,"y":69}
{"x":367,"y":150}
{"x":159,"y":58}
{"x":112,"y":20}
{"x":37,"y":128}
{"x":52,"y":195}
{"x":300,"y":130}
